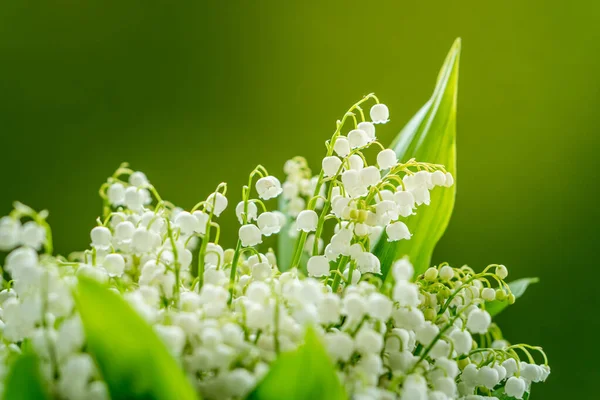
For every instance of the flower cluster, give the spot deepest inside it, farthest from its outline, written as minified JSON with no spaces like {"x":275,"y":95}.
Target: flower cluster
{"x":226,"y":314}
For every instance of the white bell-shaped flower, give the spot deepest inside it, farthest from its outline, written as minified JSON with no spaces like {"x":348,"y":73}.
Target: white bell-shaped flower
{"x":438,"y":178}
{"x":368,"y":128}
{"x":114,"y":264}
{"x":368,"y":263}
{"x":397,"y":231}
{"x":387,"y":211}
{"x":340,"y":345}
{"x":251,"y":213}
{"x":307,"y":221}
{"x":405,"y":201}
{"x":101,"y":237}
{"x":380,"y":114}
{"x":138,"y":179}
{"x":268,"y":187}
{"x":357,"y":138}
{"x":318,"y":266}
{"x":250,"y":235}
{"x":406,"y":294}
{"x":515,"y":387}
{"x":380,"y":306}
{"x":188,"y":224}
{"x":356,"y":162}
{"x":488,"y":377}
{"x":387,"y":159}
{"x":134,"y":198}
{"x":331,"y":166}
{"x":341,"y":146}
{"x":10,"y":233}
{"x":402,"y":270}
{"x":462,"y":341}
{"x":116,"y":194}
{"x":479,"y":321}
{"x":370,"y":176}
{"x":33,"y":235}
{"x":368,"y":341}
{"x":501,"y":272}
{"x":268,"y":223}
{"x":449,"y":180}
{"x":202,"y":218}
{"x":218,"y":200}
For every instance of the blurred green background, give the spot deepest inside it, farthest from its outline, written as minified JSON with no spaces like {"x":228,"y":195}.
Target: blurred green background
{"x":194,"y":93}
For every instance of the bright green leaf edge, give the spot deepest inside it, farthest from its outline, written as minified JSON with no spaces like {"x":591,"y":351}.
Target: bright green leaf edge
{"x":24,"y":381}
{"x":304,"y":374}
{"x":517,"y":288}
{"x":131,"y":357}
{"x":430,"y":136}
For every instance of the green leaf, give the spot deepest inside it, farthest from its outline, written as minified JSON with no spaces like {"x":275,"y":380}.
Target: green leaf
{"x":131,"y":357}
{"x":430,"y":136}
{"x":304,"y":374}
{"x":24,"y":381}
{"x":517,"y":288}
{"x":285,"y":243}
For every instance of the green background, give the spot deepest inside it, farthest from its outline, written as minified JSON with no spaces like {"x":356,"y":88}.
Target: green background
{"x":194,"y":93}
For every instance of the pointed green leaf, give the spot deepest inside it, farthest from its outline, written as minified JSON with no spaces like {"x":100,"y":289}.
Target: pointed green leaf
{"x":285,"y":243}
{"x":131,"y":357}
{"x":304,"y":374}
{"x":517,"y":288}
{"x":24,"y":381}
{"x":430,"y":136}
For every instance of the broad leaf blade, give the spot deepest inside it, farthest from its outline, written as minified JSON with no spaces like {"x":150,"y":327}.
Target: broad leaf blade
{"x":285,"y":243}
{"x":517,"y":288}
{"x":24,"y":381}
{"x":305,"y":374}
{"x":131,"y":357}
{"x":430,"y":136}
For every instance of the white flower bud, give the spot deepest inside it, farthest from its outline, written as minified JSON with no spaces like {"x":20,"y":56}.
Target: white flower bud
{"x":445,"y":385}
{"x":10,"y":232}
{"x":426,"y":333}
{"x":488,"y":294}
{"x":387,"y":159}
{"x":124,"y":231}
{"x":307,"y":221}
{"x":202,"y":218}
{"x":379,"y":306}
{"x":446,"y":273}
{"x":510,"y":366}
{"x":380,"y":114}
{"x":331,"y":166}
{"x":357,"y":138}
{"x":402,"y":270}
{"x":501,"y":272}
{"x":470,"y":375}
{"x":368,"y":128}
{"x":138,"y":179}
{"x":172,"y":336}
{"x":101,"y":237}
{"x":250,"y":235}
{"x":368,"y":341}
{"x":33,"y":235}
{"x":142,"y":240}
{"x":318,"y":266}
{"x":341,"y":146}
{"x":397,"y":231}
{"x":339,"y":345}
{"x":479,"y":321}
{"x":116,"y":194}
{"x":354,"y":306}
{"x":515,"y":387}
{"x":220,"y":203}
{"x":114,"y":264}
{"x":449,"y":181}
{"x":438,"y":178}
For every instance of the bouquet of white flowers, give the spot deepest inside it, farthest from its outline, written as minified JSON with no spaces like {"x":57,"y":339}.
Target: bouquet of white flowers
{"x":348,"y":307}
